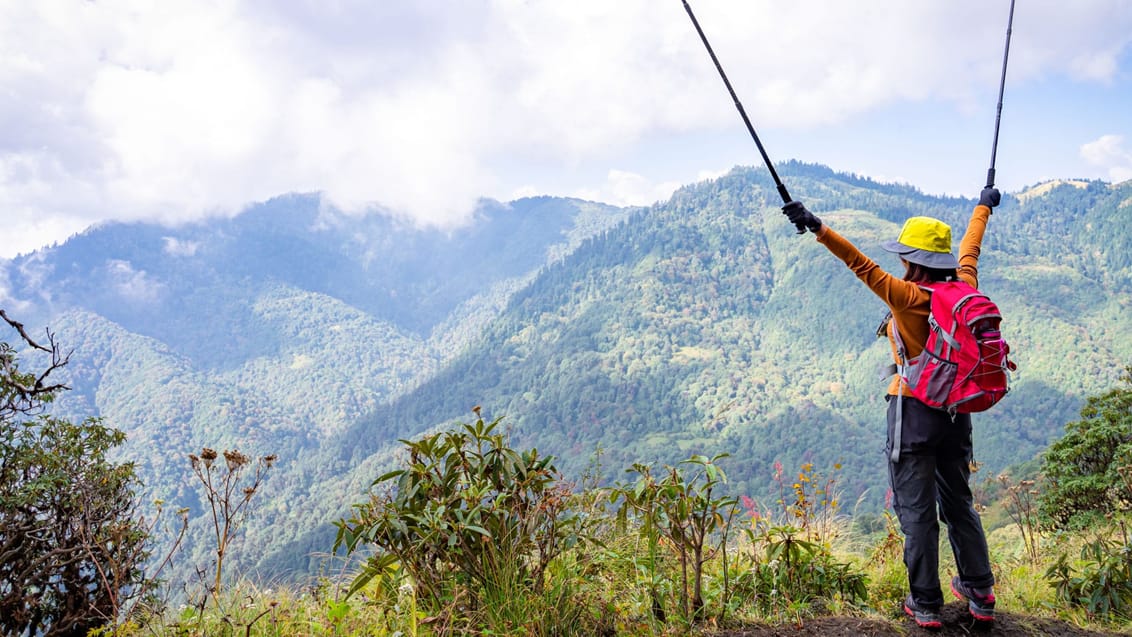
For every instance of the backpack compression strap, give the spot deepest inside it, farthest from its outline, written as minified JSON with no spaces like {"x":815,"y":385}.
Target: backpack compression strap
{"x":949,"y":336}
{"x":900,"y":368}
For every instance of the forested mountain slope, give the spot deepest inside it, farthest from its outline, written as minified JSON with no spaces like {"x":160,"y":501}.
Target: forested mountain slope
{"x":704,"y":325}
{"x":700,"y":325}
{"x":273,"y":330}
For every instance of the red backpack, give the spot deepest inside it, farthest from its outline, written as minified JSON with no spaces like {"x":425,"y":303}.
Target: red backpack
{"x":964,"y":367}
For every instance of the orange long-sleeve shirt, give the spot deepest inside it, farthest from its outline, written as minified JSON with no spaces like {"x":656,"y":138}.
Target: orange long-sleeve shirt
{"x":907,"y":301}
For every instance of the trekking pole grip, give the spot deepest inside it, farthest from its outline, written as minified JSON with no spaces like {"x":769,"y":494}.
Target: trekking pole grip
{"x":801,"y":227}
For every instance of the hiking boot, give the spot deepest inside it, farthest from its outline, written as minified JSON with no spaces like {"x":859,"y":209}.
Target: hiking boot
{"x":980,"y":601}
{"x":924,"y":617}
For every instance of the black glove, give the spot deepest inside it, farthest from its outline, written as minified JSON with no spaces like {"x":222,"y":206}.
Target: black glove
{"x":796,"y":212}
{"x":990,"y":197}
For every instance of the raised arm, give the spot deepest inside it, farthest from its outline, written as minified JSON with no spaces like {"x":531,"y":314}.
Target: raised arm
{"x":971,"y":244}
{"x":895,"y":292}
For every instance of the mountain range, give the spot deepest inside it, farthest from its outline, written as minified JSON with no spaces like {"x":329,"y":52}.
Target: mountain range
{"x":600,"y":335}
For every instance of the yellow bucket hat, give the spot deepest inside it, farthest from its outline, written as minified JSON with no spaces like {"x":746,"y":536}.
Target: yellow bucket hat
{"x":925,"y":241}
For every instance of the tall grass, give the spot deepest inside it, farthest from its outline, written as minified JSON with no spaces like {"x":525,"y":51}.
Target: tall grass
{"x":599,"y":591}
{"x":662,"y":555}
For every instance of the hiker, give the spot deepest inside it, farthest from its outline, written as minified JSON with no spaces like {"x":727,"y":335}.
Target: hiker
{"x":929,"y":462}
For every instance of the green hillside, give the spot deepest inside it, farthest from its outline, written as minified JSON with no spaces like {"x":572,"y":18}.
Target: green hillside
{"x":700,"y":325}
{"x":706,"y":325}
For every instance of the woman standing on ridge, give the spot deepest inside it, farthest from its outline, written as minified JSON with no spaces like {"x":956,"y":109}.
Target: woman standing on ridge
{"x":929,"y":465}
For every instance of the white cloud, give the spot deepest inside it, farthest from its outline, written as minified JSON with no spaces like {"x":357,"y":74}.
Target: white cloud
{"x":179,"y":248}
{"x":131,"y":284}
{"x":33,"y":272}
{"x":7,"y":301}
{"x":623,"y":188}
{"x":1111,"y":155}
{"x":180,"y":109}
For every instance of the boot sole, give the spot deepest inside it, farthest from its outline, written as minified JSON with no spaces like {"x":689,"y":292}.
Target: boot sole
{"x":922,"y":624}
{"x":976,"y":612}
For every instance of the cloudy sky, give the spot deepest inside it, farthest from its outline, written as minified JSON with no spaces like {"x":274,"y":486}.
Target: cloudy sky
{"x":175,"y":110}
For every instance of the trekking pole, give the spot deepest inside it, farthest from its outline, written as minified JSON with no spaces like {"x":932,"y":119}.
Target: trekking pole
{"x":1001,"y":89}
{"x":746,"y":120}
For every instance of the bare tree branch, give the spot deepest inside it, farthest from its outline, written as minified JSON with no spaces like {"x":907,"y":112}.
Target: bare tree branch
{"x":23,"y":393}
{"x":19,"y":327}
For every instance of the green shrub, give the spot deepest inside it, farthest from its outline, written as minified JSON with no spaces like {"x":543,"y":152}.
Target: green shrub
{"x":474,"y":523}
{"x":792,"y":576}
{"x":793,"y":570}
{"x":1083,"y":470}
{"x":71,"y":546}
{"x":1101,"y":583}
{"x":680,"y":508}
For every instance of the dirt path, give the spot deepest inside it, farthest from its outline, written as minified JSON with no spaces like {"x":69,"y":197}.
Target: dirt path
{"x":956,"y":623}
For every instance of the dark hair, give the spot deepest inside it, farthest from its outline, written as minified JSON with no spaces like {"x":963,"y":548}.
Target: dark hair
{"x":917,"y":272}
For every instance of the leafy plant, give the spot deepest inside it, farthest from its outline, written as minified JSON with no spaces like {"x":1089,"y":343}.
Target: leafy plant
{"x":1082,"y":469}
{"x":793,"y":565}
{"x":71,"y":550}
{"x":789,"y":573}
{"x":679,"y":507}
{"x":471,"y":520}
{"x":24,"y":393}
{"x":1102,"y":583}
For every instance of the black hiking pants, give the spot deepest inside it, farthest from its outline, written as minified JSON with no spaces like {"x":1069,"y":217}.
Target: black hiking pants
{"x":932,"y":476}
